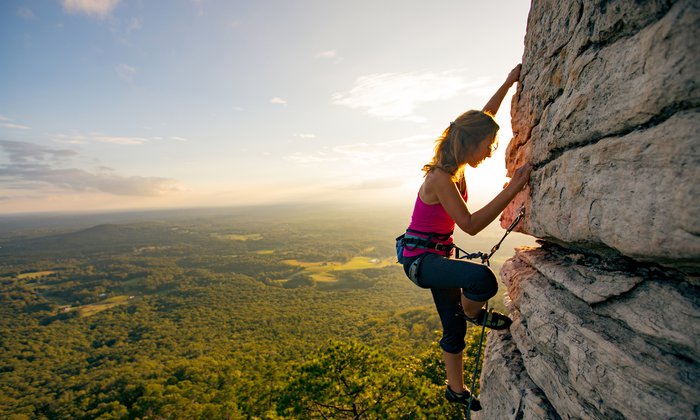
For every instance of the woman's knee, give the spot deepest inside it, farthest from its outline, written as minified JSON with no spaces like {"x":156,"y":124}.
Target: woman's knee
{"x":490,"y":281}
{"x":454,"y":329}
{"x":485,"y":288}
{"x":452,"y":343}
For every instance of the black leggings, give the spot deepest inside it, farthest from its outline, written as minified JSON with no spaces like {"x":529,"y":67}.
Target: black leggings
{"x":447,"y":278}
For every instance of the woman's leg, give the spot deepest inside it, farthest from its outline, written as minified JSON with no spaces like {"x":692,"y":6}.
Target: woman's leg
{"x":454,"y":328}
{"x":451,"y":282}
{"x":471,"y":308}
{"x":476,"y":281}
{"x":454,"y":370}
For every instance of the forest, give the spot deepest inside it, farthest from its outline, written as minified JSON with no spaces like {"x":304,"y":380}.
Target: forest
{"x":269,"y":312}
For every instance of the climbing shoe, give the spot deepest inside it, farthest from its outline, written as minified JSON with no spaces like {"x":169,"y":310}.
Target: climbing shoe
{"x":494,"y":320}
{"x":462,"y":398}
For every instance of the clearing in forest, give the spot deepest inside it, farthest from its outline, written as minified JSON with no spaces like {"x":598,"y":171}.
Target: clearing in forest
{"x":322,"y":271}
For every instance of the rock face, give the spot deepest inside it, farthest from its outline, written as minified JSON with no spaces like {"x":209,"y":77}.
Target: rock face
{"x":607,"y":311}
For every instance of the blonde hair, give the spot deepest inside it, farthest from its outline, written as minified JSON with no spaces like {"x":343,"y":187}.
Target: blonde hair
{"x":459,"y":141}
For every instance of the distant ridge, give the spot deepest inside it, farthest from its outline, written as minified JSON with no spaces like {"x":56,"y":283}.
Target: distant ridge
{"x":99,"y":238}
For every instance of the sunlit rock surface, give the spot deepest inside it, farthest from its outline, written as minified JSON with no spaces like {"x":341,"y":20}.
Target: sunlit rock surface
{"x":607,"y":311}
{"x":607,"y":111}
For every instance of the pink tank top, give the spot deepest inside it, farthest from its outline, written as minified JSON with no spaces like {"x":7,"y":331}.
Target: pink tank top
{"x":431,"y":218}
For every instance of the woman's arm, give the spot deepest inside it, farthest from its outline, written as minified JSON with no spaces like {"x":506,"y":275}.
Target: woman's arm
{"x":494,"y":103}
{"x":453,"y":203}
{"x":487,"y":214}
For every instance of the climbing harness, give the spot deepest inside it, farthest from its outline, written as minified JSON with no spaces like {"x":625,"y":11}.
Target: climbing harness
{"x":415,"y":239}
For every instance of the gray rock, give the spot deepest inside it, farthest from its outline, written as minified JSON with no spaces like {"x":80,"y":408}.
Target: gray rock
{"x":504,"y":375}
{"x":634,"y":194}
{"x":606,"y":75}
{"x":606,"y":312}
{"x":590,"y":282}
{"x":608,"y":113}
{"x":592,"y":365}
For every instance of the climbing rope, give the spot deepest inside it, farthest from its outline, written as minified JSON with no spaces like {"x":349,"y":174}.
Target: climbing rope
{"x":476,"y":365}
{"x":485,"y":258}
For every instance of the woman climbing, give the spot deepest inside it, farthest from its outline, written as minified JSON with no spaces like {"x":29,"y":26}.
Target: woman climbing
{"x":459,"y":288}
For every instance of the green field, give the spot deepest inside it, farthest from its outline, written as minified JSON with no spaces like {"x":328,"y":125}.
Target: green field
{"x":109,"y":303}
{"x":35,"y":275}
{"x":323,"y":271}
{"x":238,"y":237}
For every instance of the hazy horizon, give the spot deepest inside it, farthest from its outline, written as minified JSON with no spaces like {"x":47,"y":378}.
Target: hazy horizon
{"x":113,"y":105}
{"x":391,"y":221}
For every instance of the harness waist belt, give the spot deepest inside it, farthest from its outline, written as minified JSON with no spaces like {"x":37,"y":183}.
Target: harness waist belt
{"x":427,"y":240}
{"x":415,"y":242}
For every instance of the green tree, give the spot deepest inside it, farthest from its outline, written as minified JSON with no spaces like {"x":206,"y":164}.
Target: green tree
{"x":353,"y":381}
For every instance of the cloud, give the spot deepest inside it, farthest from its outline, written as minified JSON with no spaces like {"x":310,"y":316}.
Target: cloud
{"x":395,"y":96}
{"x":25,"y":153}
{"x":327,"y":54}
{"x":9,"y":123}
{"x":374,"y":184}
{"x":178,"y":138}
{"x":97,"y":8}
{"x":16,"y":126}
{"x":31,"y":166}
{"x":69,"y":138}
{"x":278,"y":101}
{"x":120,"y":139}
{"x":125,"y":71}
{"x":365,"y":154}
{"x":305,"y":136}
{"x":135,"y":24}
{"x":25,"y":12}
{"x":306,"y":159}
{"x":394,"y":151}
{"x":97,"y":137}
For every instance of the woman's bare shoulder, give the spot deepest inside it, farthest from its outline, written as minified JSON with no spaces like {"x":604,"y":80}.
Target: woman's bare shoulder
{"x":438,"y":176}
{"x":434,"y":180}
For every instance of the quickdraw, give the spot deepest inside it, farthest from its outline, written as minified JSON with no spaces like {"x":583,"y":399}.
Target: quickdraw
{"x":484,"y":256}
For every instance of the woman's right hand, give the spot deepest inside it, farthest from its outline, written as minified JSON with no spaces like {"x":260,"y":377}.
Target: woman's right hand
{"x":521,"y":177}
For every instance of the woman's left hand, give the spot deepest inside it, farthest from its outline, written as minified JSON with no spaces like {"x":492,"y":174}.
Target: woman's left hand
{"x":521,"y":177}
{"x":514,"y":75}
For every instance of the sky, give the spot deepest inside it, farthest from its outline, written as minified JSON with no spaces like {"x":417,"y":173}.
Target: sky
{"x":135,"y":104}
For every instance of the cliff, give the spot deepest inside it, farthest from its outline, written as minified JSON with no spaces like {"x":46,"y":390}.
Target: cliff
{"x":606,"y":310}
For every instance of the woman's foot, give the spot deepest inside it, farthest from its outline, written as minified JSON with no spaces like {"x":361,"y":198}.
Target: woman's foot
{"x":462,"y":398}
{"x":494,"y":320}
